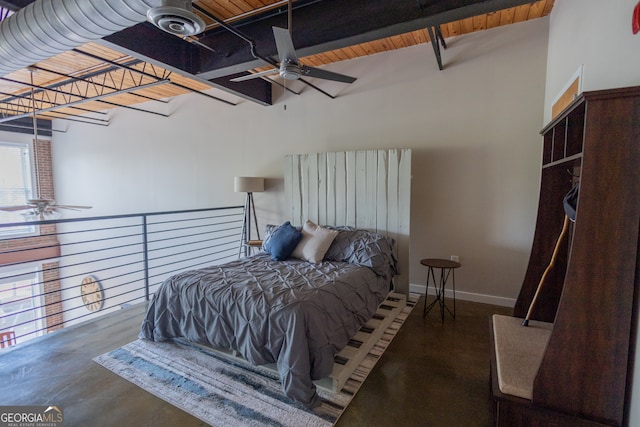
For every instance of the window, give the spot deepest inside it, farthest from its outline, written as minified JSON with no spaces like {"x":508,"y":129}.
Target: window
{"x":20,"y":305}
{"x":15,"y":185}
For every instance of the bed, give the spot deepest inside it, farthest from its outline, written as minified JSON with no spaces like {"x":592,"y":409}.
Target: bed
{"x":293,"y":312}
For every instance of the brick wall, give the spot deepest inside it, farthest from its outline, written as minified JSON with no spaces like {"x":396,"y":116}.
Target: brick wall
{"x":43,"y":169}
{"x":52,"y":296}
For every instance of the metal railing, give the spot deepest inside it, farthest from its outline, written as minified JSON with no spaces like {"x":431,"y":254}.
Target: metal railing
{"x":74,"y":270}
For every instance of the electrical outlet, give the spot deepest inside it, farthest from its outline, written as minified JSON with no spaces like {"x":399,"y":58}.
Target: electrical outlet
{"x":455,"y":258}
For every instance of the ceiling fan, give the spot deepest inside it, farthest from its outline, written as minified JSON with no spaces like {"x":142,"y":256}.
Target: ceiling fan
{"x":41,"y":209}
{"x":290,"y":67}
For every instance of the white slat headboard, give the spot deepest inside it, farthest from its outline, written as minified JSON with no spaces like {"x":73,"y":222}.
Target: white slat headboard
{"x":365,"y":189}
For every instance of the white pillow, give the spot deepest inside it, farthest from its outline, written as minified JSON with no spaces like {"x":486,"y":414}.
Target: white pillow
{"x":315,"y":242}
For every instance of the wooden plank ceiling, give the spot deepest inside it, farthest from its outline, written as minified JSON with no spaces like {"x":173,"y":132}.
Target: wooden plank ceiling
{"x":94,"y":78}
{"x":482,"y":22}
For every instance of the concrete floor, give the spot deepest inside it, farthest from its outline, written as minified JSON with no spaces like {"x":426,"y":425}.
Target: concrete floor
{"x":432,"y":374}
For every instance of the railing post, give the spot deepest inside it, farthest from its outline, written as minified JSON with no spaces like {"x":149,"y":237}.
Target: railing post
{"x":145,"y":252}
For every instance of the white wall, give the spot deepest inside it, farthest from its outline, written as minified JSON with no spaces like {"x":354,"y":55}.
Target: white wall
{"x":473,"y":129}
{"x":597,"y":34}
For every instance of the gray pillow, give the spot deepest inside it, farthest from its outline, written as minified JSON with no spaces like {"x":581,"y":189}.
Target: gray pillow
{"x":363,"y":247}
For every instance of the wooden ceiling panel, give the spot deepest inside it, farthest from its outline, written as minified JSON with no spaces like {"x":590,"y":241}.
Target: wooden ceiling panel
{"x":522,"y":13}
{"x":70,"y":63}
{"x":536,"y":10}
{"x":231,"y":10}
{"x":451,"y":29}
{"x":493,"y":19}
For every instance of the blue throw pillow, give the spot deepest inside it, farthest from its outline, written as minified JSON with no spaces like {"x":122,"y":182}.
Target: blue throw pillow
{"x":283,"y":241}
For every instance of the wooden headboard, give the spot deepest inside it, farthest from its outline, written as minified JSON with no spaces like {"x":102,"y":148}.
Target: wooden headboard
{"x":365,"y":189}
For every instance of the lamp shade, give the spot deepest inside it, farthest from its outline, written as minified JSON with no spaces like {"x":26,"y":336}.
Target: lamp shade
{"x":248,"y":184}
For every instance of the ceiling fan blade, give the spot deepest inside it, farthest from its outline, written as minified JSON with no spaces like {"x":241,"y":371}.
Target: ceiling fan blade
{"x":255,"y":75}
{"x":284,"y":44}
{"x":15,"y":208}
{"x":71,"y":207}
{"x":326,"y":75}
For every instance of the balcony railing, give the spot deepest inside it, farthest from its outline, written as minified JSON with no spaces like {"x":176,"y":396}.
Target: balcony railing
{"x":73,"y":270}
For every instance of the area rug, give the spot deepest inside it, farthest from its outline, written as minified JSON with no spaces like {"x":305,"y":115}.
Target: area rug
{"x":223,"y":390}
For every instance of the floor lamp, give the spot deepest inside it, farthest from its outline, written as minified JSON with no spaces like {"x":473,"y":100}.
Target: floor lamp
{"x":249,"y":185}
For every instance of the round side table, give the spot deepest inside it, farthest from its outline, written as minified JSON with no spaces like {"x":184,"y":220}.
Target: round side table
{"x":447,"y":268}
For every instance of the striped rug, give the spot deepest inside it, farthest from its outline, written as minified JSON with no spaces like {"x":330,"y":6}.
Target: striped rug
{"x":223,"y":390}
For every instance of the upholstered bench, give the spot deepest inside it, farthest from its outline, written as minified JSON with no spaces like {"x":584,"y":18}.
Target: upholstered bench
{"x":518,"y":353}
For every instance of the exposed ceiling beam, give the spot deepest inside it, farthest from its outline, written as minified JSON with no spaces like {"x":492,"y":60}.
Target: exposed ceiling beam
{"x":25,"y":125}
{"x":146,"y":42}
{"x":15,"y":5}
{"x":323,"y":25}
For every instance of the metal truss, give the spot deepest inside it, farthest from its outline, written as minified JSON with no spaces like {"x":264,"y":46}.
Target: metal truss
{"x":109,"y":79}
{"x":73,"y":90}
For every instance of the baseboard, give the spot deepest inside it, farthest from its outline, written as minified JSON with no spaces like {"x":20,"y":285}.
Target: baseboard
{"x":467,"y":296}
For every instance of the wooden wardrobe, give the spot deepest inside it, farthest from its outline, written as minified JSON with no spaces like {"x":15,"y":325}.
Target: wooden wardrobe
{"x":590,"y":296}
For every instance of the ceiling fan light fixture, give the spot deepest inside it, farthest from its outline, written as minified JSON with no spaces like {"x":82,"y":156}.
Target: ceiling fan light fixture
{"x":47,"y":215}
{"x":176,"y":17}
{"x":51,"y":214}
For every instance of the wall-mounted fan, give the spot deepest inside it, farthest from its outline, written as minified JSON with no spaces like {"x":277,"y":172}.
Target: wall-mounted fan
{"x":290,"y":67}
{"x":41,"y":209}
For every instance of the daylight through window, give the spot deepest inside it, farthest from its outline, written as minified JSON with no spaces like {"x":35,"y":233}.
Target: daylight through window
{"x":21,"y":306}
{"x":15,"y":185}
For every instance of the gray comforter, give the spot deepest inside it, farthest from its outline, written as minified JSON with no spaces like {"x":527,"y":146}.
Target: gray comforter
{"x":292,"y":313}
